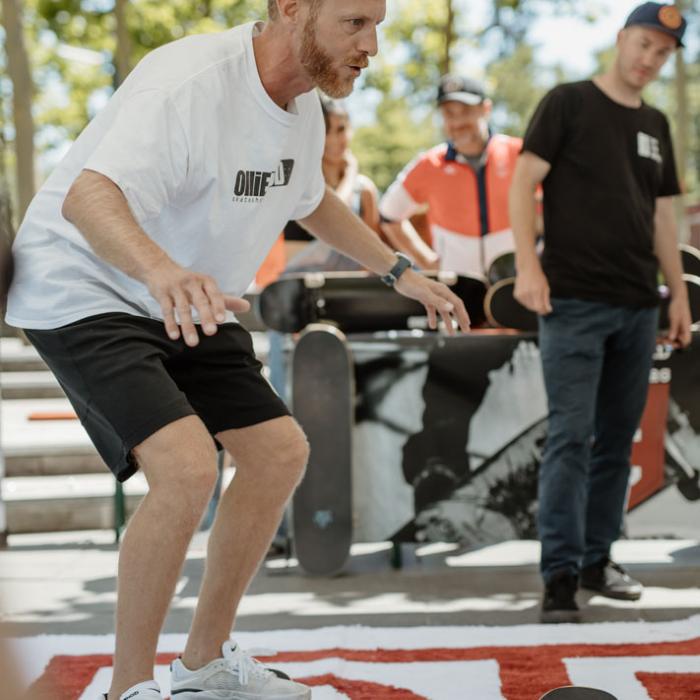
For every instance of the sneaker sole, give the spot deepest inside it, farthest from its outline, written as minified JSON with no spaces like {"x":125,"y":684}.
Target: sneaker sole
{"x":560,"y":616}
{"x":613,"y":594}
{"x":237,"y":695}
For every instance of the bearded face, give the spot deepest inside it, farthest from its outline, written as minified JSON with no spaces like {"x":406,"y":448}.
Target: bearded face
{"x":333,"y":75}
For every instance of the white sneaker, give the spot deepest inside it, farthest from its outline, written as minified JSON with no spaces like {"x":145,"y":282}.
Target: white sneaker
{"x":149,"y":690}
{"x":236,"y":676}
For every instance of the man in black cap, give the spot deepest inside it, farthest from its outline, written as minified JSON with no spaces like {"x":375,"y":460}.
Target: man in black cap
{"x":464,"y":183}
{"x":605,"y":161}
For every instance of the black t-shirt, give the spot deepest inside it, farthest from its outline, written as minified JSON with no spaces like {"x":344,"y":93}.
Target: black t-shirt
{"x":609,"y":164}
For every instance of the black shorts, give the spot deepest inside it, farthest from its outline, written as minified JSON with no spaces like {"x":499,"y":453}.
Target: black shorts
{"x":126,"y":379}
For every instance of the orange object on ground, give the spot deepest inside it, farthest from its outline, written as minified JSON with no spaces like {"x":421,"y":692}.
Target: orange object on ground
{"x":52,"y":415}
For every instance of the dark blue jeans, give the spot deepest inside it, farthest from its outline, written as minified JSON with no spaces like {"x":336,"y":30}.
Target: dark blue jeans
{"x":596,"y":360}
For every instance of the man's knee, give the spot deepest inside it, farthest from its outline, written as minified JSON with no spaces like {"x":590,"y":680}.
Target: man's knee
{"x":296,"y":457}
{"x":179,"y":460}
{"x":291,"y":456}
{"x":277,"y":450}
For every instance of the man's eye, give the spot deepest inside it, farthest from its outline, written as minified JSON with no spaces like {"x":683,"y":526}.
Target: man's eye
{"x":357,"y":23}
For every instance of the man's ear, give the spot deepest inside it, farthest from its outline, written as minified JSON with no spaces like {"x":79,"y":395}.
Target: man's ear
{"x":289,"y":11}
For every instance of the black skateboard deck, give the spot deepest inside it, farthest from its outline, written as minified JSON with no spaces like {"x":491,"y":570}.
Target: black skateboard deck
{"x":503,"y":311}
{"x":323,"y":403}
{"x":577,"y":693}
{"x":355,"y":302}
{"x":690,"y":257}
{"x":693,"y":284}
{"x":501,"y":267}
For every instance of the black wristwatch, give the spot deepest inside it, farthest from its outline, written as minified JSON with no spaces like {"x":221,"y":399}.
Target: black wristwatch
{"x":402,"y":264}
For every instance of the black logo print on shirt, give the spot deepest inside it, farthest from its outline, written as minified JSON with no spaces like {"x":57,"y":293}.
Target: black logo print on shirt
{"x":252,"y":185}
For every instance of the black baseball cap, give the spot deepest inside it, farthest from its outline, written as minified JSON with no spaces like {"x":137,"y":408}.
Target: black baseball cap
{"x":663,"y":18}
{"x":454,"y":88}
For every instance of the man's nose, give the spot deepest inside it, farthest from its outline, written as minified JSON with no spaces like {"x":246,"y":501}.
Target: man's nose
{"x":369,"y":43}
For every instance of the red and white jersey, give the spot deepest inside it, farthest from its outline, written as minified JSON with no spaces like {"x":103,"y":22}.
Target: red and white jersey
{"x":467,"y":210}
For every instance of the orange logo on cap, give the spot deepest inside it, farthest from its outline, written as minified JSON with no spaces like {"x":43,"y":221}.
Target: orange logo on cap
{"x":670,"y":17}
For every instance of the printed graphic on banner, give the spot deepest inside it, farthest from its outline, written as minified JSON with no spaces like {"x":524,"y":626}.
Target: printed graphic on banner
{"x":460,"y":463}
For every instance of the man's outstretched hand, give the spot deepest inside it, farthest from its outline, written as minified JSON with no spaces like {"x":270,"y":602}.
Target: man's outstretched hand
{"x":436,"y":298}
{"x":179,"y":290}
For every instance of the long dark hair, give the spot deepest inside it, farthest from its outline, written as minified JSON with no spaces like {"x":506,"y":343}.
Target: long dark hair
{"x":329,"y":106}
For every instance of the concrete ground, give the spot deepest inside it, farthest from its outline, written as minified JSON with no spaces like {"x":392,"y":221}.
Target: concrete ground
{"x":65,"y":584}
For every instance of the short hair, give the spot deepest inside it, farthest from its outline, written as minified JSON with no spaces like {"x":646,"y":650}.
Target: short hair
{"x":273,"y":12}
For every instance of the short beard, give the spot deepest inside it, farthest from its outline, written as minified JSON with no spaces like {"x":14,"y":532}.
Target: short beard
{"x":319,"y":65}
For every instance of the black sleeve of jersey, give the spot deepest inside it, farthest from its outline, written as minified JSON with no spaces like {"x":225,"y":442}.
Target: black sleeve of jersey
{"x":546,"y":132}
{"x":294,"y":232}
{"x":669,"y":182}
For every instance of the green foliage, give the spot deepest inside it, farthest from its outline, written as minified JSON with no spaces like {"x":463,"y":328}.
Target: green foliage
{"x":421,"y":38}
{"x":514,"y":91}
{"x":383,"y":148}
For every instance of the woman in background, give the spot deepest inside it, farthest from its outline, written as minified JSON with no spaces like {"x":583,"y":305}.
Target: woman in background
{"x":340,"y":170}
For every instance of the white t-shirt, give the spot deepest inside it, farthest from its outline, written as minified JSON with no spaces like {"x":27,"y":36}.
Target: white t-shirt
{"x":211,"y":167}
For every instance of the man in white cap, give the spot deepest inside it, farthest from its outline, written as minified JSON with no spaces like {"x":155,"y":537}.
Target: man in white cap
{"x":463,"y":183}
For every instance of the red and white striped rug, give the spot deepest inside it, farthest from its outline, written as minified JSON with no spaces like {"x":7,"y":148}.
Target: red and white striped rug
{"x":633,"y":661}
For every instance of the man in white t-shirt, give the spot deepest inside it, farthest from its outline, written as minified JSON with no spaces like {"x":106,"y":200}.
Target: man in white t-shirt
{"x":129,"y":267}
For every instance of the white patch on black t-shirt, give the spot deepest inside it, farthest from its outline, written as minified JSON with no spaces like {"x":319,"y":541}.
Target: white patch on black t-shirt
{"x":648,"y":147}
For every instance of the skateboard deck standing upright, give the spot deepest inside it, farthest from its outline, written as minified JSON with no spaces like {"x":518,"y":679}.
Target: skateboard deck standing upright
{"x":323,"y":403}
{"x":504,"y":311}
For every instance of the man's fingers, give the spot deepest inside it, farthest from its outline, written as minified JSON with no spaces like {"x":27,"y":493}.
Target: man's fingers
{"x":201,"y":302}
{"x":687,"y":336}
{"x":216,"y":299}
{"x":446,"y":308}
{"x":189,"y":332}
{"x":529,"y":301}
{"x":547,"y":304}
{"x":171,"y":327}
{"x":459,"y":312}
{"x":236,"y":304}
{"x":432,"y":316}
{"x":679,"y":332}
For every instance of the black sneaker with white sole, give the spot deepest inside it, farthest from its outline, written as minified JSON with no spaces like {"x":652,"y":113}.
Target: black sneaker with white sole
{"x":610,"y":580}
{"x":559,"y":602}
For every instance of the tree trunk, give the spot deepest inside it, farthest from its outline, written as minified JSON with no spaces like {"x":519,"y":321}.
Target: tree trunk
{"x":446,"y":62}
{"x":122,"y":54}
{"x":22,"y":90}
{"x":682,"y":133}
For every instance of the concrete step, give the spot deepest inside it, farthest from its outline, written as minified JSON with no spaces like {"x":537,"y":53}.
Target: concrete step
{"x":77,"y":502}
{"x":21,"y":436}
{"x":60,"y":503}
{"x":15,"y":356}
{"x":45,"y":448}
{"x":54,"y":464}
{"x":30,"y":385}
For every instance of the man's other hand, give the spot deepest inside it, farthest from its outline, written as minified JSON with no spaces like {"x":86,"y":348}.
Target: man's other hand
{"x":436,"y":298}
{"x":179,"y":290}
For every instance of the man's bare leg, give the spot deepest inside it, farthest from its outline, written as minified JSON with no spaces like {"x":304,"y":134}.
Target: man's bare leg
{"x":179,"y":462}
{"x":270,"y":459}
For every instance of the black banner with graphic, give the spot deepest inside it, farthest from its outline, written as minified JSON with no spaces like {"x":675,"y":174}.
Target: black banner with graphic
{"x":449,"y":434}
